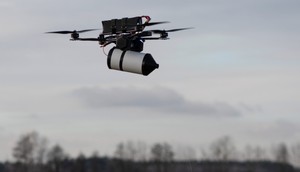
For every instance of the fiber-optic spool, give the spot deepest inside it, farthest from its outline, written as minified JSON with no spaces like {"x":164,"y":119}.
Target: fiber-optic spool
{"x":131,"y":61}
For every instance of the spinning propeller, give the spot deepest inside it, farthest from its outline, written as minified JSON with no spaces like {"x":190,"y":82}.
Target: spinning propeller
{"x":171,"y":30}
{"x":154,"y":23}
{"x":71,"y":32}
{"x":164,"y":33}
{"x":74,"y":33}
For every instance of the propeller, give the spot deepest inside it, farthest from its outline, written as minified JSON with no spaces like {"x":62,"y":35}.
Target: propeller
{"x":72,"y":32}
{"x":149,"y":24}
{"x":171,"y":30}
{"x":154,"y":23}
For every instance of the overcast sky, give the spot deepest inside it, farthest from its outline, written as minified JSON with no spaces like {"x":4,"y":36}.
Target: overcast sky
{"x":236,"y":73}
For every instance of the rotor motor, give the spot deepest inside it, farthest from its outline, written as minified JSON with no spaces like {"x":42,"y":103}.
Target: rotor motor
{"x":75,"y":35}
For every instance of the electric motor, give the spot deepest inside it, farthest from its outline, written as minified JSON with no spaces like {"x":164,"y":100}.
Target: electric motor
{"x":131,"y":61}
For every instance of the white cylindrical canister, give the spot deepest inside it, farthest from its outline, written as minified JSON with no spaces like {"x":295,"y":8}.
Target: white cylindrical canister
{"x":131,"y":61}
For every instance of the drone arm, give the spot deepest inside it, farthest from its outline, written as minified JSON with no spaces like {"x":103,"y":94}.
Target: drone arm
{"x":155,"y":38}
{"x":87,"y":39}
{"x":102,"y":41}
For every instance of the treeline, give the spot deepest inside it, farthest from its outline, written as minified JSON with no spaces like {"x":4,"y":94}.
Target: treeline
{"x":32,"y":153}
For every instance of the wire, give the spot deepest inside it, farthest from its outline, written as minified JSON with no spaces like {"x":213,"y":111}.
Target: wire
{"x":104,"y":50}
{"x":148,"y":18}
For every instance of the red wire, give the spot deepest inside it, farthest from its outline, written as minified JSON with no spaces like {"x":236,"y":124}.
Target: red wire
{"x":148,"y":18}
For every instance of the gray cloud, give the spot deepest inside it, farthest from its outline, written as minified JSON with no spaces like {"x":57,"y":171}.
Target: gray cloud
{"x":158,"y":99}
{"x":278,"y":129}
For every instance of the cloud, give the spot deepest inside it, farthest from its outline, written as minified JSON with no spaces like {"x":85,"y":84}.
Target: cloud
{"x":278,"y":129}
{"x":158,"y":99}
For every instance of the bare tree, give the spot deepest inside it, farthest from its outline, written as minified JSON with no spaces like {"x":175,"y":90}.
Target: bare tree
{"x":41,"y":149}
{"x":120,"y":151}
{"x":223,"y":149}
{"x":142,"y":151}
{"x":255,"y":153}
{"x":131,"y":150}
{"x":80,"y":163}
{"x":162,"y":155}
{"x":55,"y":156}
{"x":135,"y":151}
{"x":295,"y":153}
{"x":281,"y":153}
{"x":95,"y":166}
{"x":162,"y":152}
{"x":30,"y":149}
{"x":185,"y":153}
{"x":56,"y":153}
{"x":23,"y":151}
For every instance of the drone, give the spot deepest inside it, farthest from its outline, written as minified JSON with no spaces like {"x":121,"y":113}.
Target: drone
{"x":128,"y":35}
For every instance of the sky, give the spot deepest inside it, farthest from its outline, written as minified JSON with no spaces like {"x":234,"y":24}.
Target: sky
{"x":236,"y":73}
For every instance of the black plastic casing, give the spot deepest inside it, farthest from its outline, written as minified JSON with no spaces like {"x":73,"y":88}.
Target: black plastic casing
{"x":125,"y":25}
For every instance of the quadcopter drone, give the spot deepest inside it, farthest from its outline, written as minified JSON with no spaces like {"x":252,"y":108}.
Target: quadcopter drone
{"x":128,"y":35}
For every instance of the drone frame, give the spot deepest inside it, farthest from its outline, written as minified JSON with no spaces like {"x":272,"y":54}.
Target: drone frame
{"x":126,"y":33}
